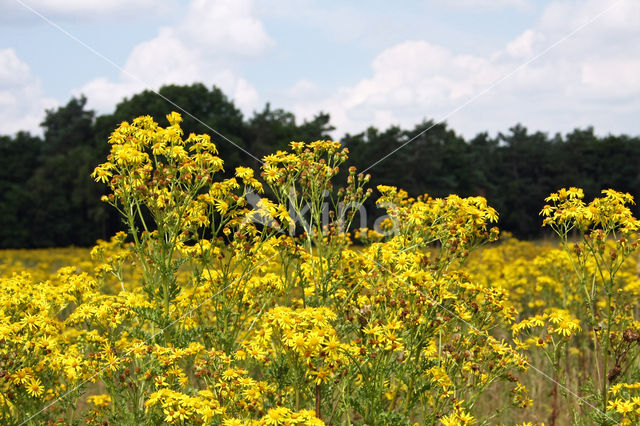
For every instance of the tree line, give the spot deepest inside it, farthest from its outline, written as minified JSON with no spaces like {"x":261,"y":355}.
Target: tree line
{"x":47,"y":197}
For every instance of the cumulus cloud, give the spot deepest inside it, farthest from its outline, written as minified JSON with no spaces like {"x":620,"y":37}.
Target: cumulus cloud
{"x":409,"y":81}
{"x":202,"y":47}
{"x":592,"y":78}
{"x":20,"y":11}
{"x":21,"y":98}
{"x":224,"y":28}
{"x":523,"y":46}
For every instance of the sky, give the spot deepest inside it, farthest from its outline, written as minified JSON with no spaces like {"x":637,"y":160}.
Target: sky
{"x":479,"y":65}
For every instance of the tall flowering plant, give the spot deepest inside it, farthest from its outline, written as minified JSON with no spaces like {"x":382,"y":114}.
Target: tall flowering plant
{"x":219,"y":304}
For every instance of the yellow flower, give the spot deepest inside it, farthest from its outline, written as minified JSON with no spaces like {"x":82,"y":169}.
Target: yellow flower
{"x":270,"y":174}
{"x":230,"y":374}
{"x":567,"y":327}
{"x":21,"y":376}
{"x":34,"y":387}
{"x":221,"y":206}
{"x":244,"y":173}
{"x":100,"y":401}
{"x":276,"y":416}
{"x":174,"y":118}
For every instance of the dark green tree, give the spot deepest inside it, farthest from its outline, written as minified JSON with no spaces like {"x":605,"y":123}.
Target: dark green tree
{"x":19,"y":157}
{"x":65,"y":201}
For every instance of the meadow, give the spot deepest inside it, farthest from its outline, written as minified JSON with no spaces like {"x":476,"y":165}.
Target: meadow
{"x":211,"y":310}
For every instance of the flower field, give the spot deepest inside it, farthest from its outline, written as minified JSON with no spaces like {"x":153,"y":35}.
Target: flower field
{"x":214,"y":309}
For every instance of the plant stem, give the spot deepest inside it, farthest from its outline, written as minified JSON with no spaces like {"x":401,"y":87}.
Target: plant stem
{"x":318,"y":396}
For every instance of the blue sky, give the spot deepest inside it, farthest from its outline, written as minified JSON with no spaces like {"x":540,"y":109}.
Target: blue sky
{"x":366,"y":63}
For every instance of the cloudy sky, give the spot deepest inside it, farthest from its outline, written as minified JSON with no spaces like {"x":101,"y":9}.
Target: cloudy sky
{"x":481,"y":65}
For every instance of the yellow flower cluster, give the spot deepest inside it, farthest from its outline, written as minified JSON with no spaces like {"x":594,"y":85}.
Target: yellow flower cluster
{"x":209,"y":309}
{"x":608,"y":213}
{"x":458,"y":225}
{"x":280,"y":416}
{"x":626,"y":402}
{"x":303,"y":334}
{"x":178,"y":407}
{"x":558,"y":324}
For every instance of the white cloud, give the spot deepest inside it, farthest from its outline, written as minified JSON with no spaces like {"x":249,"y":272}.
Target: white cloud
{"x":21,"y":99}
{"x":84,"y":6}
{"x":524,"y":45}
{"x":592,"y":78}
{"x":13,"y":71}
{"x":163,"y":59}
{"x":201,"y":47}
{"x":492,"y":4}
{"x":224,"y":28}
{"x":87,"y":10}
{"x":605,"y":77}
{"x":410,"y":80}
{"x":101,"y":92}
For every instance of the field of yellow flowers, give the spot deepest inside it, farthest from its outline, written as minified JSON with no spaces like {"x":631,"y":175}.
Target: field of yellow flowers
{"x":210,"y":310}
